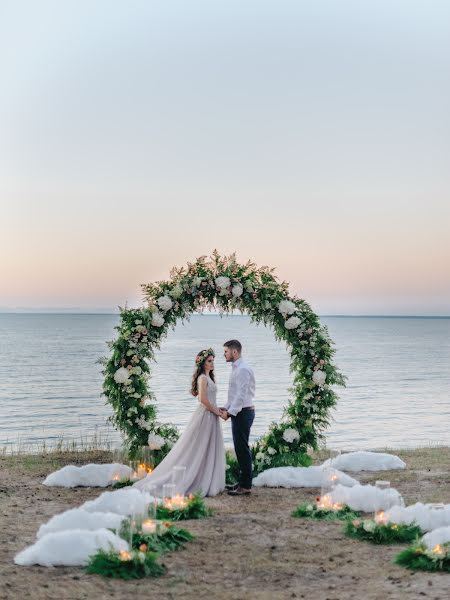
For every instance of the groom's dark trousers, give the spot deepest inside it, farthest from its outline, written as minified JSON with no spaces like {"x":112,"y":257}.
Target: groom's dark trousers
{"x":240,"y":427}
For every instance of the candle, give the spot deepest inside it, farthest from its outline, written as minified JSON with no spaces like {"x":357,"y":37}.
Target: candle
{"x":149,"y":526}
{"x":325,"y":503}
{"x":141,"y":471}
{"x":176,"y":502}
{"x":380,"y":517}
{"x":438,"y":549}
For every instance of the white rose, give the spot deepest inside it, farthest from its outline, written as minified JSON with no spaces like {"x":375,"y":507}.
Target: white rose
{"x":157,"y":320}
{"x":271,"y":451}
{"x":260,"y":456}
{"x":222,"y":282}
{"x":177,"y":291}
{"x":237,"y":290}
{"x":164,"y":303}
{"x":290,"y":435}
{"x":122,"y":376}
{"x":286,"y":307}
{"x":369,"y":526}
{"x":292,"y":323}
{"x":319,"y":377}
{"x":155,"y":442}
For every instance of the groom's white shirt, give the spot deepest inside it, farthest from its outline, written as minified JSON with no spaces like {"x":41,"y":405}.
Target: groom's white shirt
{"x":241,"y":388}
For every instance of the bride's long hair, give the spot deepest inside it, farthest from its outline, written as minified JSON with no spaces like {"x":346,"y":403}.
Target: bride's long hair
{"x":200,"y":360}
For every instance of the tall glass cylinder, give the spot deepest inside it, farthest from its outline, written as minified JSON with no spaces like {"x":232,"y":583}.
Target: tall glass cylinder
{"x":168,"y":494}
{"x":178,"y":477}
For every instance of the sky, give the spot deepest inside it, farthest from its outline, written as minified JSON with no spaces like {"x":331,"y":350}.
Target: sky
{"x":310,"y":136}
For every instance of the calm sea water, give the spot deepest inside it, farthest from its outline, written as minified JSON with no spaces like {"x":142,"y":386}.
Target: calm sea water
{"x":397,"y":394}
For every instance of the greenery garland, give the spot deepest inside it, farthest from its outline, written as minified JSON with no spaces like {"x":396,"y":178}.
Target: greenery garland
{"x":420,"y":558}
{"x":194,"y":509}
{"x":225,"y":285}
{"x":381,"y":533}
{"x":125,"y":565}
{"x":166,"y":538}
{"x":310,"y":510}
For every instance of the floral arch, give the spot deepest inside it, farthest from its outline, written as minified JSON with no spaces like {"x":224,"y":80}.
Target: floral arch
{"x":224,"y":284}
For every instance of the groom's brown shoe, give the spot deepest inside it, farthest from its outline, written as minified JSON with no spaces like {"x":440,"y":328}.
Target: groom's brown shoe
{"x":239,"y":491}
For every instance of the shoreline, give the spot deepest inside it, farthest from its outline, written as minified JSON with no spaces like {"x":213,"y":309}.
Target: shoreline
{"x":251,"y":547}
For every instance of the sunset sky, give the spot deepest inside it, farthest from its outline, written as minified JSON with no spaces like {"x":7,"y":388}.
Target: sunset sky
{"x":312,"y":136}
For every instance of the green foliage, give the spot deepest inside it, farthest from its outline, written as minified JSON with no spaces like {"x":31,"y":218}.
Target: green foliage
{"x":419,"y":558}
{"x":170,"y":540}
{"x":195,"y":509}
{"x":309,"y":510}
{"x":232,"y":472}
{"x":192,"y":289}
{"x":122,"y":483}
{"x":381,"y":533}
{"x":109,"y":564}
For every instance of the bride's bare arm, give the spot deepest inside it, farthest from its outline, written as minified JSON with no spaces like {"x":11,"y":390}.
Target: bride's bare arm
{"x":203,"y":396}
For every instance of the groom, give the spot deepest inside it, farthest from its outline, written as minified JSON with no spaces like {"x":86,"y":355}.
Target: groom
{"x":241,"y":394}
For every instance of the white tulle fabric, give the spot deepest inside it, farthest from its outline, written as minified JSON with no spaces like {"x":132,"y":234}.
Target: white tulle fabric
{"x":91,"y":475}
{"x":200,"y":449}
{"x":437,"y":536}
{"x":365,"y":461}
{"x":424,"y":515}
{"x":366,"y":498}
{"x":78,"y":518}
{"x":297,"y":477}
{"x":70,"y":548}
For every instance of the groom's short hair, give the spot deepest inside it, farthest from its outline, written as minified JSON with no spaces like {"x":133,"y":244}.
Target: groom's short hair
{"x":234,"y":345}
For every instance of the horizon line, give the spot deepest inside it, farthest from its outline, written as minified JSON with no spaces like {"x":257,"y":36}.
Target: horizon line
{"x":212,"y":314}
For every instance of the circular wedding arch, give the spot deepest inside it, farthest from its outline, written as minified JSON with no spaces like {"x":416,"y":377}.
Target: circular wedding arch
{"x":221,"y":283}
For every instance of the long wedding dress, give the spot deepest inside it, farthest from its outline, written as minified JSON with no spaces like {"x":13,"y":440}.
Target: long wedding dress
{"x":200,"y":449}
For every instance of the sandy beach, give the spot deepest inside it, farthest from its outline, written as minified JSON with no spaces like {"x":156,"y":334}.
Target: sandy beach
{"x":250,"y":548}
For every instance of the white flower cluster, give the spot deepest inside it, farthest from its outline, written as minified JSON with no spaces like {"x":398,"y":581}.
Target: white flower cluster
{"x":237,"y":290}
{"x":155,"y":442}
{"x":319,"y":377}
{"x":286,"y":307}
{"x":165,"y":303}
{"x":157,"y":319}
{"x":290,"y":435}
{"x":122,"y":376}
{"x":223,"y":283}
{"x":142,"y":423}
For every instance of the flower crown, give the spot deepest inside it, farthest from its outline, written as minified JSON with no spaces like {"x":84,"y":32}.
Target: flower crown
{"x":203,"y":355}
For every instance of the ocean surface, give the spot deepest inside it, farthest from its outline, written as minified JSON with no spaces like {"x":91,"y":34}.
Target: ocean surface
{"x":397,"y":394}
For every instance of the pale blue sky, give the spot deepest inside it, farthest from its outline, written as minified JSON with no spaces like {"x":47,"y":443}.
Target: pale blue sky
{"x":311,"y":136}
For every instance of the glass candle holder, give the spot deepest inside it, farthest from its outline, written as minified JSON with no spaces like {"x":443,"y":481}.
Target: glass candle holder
{"x":168,"y":494}
{"x":178,"y":476}
{"x":153,"y":504}
{"x":134,"y":470}
{"x":329,"y":481}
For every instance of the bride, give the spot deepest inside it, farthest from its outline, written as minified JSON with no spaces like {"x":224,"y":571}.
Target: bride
{"x":200,"y":448}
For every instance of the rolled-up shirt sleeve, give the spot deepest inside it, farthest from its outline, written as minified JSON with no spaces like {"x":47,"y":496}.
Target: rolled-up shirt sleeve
{"x":236,"y":403}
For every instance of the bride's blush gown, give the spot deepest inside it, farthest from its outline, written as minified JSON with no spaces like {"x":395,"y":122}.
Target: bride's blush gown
{"x":200,"y":449}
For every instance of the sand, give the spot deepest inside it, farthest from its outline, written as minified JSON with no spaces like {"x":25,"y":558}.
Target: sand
{"x":250,"y":549}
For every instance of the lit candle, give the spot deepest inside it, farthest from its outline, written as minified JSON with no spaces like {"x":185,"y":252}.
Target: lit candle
{"x":149,"y":526}
{"x":142,"y":471}
{"x":380,"y":517}
{"x":178,"y":501}
{"x":439,"y":550}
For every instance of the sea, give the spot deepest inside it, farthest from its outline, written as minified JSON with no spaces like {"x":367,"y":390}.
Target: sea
{"x":397,"y":368}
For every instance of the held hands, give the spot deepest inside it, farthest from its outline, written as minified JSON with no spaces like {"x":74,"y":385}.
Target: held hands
{"x":223,"y":414}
